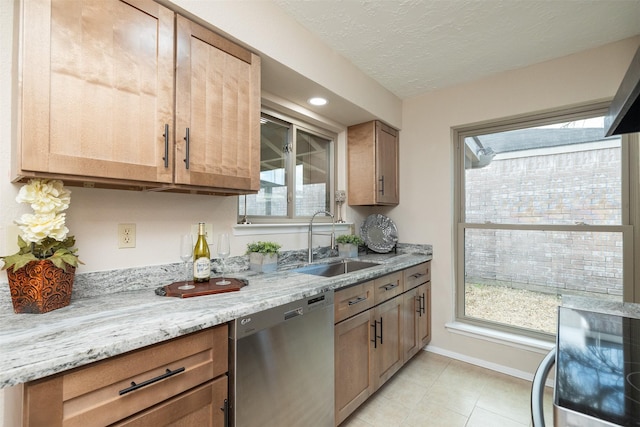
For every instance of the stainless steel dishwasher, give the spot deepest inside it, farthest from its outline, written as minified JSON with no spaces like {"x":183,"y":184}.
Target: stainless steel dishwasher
{"x":282,"y":365}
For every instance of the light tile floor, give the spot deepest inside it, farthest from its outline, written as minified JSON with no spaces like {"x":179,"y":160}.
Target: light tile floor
{"x":435,"y":391}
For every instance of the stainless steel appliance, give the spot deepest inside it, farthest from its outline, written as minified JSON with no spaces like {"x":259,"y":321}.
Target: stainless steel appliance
{"x":624,"y":113}
{"x":597,"y":361}
{"x":283,"y":367}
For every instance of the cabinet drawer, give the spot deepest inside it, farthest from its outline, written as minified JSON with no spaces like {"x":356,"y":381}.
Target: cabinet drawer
{"x":417,"y":275}
{"x":204,"y":406}
{"x":104,"y":392}
{"x":353,"y":300}
{"x":387,"y":287}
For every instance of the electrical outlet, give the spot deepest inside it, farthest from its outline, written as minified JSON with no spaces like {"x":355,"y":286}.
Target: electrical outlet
{"x":126,"y":236}
{"x":208,"y":232}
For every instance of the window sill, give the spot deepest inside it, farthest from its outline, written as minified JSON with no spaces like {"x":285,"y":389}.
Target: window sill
{"x":289,"y":228}
{"x":500,"y":337}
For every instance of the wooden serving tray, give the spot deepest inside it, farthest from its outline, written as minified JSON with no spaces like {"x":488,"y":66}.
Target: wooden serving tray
{"x":204,"y":288}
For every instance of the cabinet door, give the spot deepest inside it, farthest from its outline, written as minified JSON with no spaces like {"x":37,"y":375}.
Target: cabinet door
{"x":387,"y":340}
{"x":372,"y":159}
{"x":411,"y":319}
{"x":353,"y":368}
{"x":217,"y":111}
{"x":424,"y":318}
{"x":203,"y":406}
{"x":97,"y":89}
{"x":386,"y":165}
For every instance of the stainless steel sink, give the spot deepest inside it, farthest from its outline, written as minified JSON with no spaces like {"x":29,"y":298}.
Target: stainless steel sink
{"x":335,"y":268}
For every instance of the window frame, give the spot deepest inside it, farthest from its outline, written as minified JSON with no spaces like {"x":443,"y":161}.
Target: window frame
{"x":296,"y":124}
{"x":630,"y":193}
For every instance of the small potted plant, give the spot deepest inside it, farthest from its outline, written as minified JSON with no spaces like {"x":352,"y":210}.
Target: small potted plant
{"x":41,"y":274}
{"x":263,"y":256}
{"x":348,"y":245}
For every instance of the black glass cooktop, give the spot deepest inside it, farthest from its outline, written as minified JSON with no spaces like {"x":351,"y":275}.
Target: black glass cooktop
{"x":598,"y":366}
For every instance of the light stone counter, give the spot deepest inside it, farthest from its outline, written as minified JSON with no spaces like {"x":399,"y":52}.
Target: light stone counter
{"x":99,"y":326}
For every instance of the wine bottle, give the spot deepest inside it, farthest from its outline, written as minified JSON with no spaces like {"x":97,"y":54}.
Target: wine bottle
{"x":201,"y":257}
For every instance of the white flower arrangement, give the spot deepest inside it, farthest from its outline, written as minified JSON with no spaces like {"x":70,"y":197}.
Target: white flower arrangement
{"x":44,"y":234}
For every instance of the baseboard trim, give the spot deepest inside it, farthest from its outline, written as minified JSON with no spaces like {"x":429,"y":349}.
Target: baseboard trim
{"x":484,"y":364}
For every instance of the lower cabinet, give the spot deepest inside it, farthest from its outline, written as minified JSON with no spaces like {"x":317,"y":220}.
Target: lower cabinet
{"x":353,"y":364}
{"x":200,"y":407}
{"x":416,"y":309}
{"x":182,"y":382}
{"x":379,"y":326}
{"x":386,"y":340}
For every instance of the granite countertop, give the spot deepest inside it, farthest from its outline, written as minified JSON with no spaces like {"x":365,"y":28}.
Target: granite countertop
{"x":101,"y":326}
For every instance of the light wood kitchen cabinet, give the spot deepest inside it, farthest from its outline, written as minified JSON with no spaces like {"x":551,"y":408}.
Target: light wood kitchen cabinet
{"x":372,"y":151}
{"x":416,"y":309}
{"x":387,"y":340}
{"x":98,"y":103}
{"x":387,"y":287}
{"x":97,"y":89}
{"x":379,"y":325}
{"x":217,"y":110}
{"x":199,"y":407}
{"x":353,"y":300}
{"x":354,"y":379}
{"x":182,"y":382}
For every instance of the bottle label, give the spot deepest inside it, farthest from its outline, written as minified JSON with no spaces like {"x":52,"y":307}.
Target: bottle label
{"x":202,"y":268}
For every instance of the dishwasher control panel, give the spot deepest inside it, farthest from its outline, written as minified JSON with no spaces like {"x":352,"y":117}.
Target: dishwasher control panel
{"x":256,"y":322}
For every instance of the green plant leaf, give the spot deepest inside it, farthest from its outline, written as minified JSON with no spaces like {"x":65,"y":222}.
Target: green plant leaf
{"x":263,"y":247}
{"x":350,"y":238}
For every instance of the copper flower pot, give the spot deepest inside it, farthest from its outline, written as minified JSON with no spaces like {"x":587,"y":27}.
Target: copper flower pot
{"x":40,"y":286}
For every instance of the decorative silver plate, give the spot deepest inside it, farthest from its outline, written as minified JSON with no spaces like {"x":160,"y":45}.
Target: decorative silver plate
{"x":379,"y":233}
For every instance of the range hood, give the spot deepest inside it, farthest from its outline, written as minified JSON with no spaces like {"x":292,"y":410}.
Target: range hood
{"x":624,"y":113}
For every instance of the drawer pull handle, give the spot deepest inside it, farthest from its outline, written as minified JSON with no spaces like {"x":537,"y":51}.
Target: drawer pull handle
{"x":417,"y":275}
{"x":390,"y":286}
{"x":357,"y":300}
{"x":135,"y":386}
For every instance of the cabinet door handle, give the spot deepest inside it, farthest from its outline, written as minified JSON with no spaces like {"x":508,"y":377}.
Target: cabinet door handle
{"x":381,"y":179}
{"x":422,"y":304}
{"x":390,"y":286}
{"x":357,"y":300}
{"x":134,"y":386}
{"x":375,"y":333}
{"x":166,"y":146}
{"x":225,"y":409}
{"x":186,"y":148}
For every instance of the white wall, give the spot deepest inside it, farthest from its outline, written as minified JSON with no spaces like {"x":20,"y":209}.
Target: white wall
{"x":427,"y":163}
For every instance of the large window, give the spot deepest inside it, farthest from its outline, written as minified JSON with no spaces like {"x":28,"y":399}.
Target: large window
{"x":296,"y":171}
{"x":543,"y":212}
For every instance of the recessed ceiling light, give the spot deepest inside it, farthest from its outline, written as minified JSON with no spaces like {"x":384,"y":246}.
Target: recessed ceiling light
{"x":317,"y":101}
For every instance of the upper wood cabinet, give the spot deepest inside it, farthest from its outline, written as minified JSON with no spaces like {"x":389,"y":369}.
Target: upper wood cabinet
{"x":103,"y":100}
{"x":372,"y":150}
{"x":217,"y":111}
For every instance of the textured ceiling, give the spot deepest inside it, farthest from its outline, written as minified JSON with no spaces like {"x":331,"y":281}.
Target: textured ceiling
{"x":415,"y":46}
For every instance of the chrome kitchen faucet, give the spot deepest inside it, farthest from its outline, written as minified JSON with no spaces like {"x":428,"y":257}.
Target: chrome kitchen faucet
{"x":311,"y":233}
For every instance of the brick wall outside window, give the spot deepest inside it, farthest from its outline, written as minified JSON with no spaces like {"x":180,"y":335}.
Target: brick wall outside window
{"x":559,"y":188}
